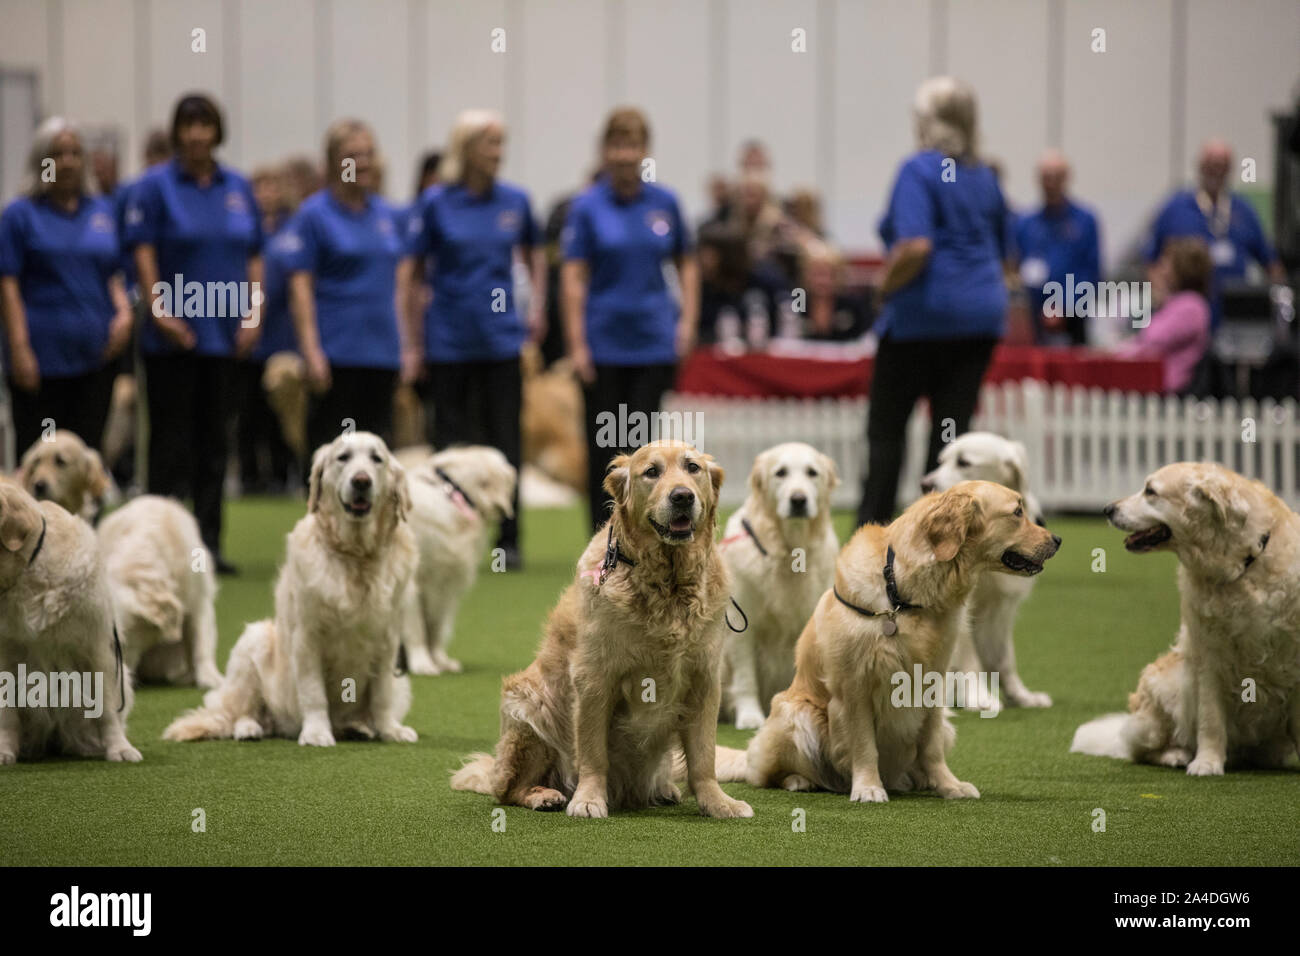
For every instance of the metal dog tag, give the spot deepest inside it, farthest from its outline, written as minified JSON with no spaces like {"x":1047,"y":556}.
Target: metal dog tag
{"x":890,"y":627}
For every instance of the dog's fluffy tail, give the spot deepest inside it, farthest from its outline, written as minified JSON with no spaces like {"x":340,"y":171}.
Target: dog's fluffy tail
{"x":729,"y":764}
{"x":475,"y":775}
{"x":1104,"y":737}
{"x":201,"y":723}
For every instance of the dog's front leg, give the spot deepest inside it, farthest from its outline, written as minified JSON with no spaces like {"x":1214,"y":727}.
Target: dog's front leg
{"x":593,"y":707}
{"x":383,"y":699}
{"x":699,"y":743}
{"x":10,"y":733}
{"x":313,"y":702}
{"x":744,"y":681}
{"x":1211,"y":722}
{"x":934,"y":763}
{"x":867,"y":786}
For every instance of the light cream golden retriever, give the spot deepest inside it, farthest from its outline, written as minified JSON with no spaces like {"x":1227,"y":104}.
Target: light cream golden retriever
{"x":457,"y":498}
{"x":780,"y":549}
{"x":325,"y":666}
{"x":56,"y":620}
{"x":1229,"y":690}
{"x":164,"y":592}
{"x":843,"y":724}
{"x":64,"y":470}
{"x":629,"y":664}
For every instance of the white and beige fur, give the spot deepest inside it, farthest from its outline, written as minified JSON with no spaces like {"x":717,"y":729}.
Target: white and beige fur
{"x":326,"y":666}
{"x":789,"y":510}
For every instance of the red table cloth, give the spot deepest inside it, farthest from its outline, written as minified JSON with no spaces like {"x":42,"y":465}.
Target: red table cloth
{"x":763,"y":375}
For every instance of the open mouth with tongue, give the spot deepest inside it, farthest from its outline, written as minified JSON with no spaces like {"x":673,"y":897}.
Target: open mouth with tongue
{"x":1148,"y":538}
{"x":679,"y":528}
{"x":1020,"y":563}
{"x":358,"y":507}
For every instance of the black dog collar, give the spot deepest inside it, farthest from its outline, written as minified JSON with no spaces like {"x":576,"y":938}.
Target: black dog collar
{"x":456,"y":489}
{"x":40,"y":543}
{"x":749,"y":530}
{"x":896,"y":601}
{"x":613,"y":556}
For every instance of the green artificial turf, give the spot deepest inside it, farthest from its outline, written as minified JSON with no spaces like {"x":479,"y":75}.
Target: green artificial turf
{"x":1083,"y":637}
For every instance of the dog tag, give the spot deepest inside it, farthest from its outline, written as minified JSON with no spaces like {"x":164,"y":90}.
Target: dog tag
{"x":890,"y":627}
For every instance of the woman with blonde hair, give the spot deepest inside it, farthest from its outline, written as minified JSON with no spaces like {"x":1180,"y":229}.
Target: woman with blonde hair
{"x":945,"y":300}
{"x":348,"y":277}
{"x":626,"y":331}
{"x":66,"y":315}
{"x":471,"y":228}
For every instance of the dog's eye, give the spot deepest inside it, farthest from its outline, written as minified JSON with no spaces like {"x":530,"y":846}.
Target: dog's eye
{"x":651,"y":472}
{"x":693,"y":467}
{"x":60,"y":461}
{"x":963,"y":462}
{"x":374,"y":456}
{"x":1149,"y":491}
{"x":1019,"y":512}
{"x":812,"y":472}
{"x":781,"y":472}
{"x":346,"y":456}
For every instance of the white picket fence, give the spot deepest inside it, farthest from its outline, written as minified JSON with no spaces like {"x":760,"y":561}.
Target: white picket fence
{"x":1086,"y":446}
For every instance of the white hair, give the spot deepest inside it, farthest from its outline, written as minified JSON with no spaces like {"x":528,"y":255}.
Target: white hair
{"x":946,"y":117}
{"x":34,"y":184}
{"x":469,"y":125}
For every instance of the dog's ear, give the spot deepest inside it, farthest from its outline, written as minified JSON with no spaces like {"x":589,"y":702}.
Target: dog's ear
{"x":948,"y":523}
{"x":828,"y":466}
{"x":716,"y":474}
{"x":617,"y":477}
{"x":318,"y":461}
{"x":758,"y":476}
{"x":18,"y":520}
{"x":1019,"y":463}
{"x":1221,"y":504}
{"x":97,"y":480}
{"x":400,"y":490}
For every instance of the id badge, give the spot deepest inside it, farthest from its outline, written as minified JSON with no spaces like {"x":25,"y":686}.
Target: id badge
{"x":1223,"y":252}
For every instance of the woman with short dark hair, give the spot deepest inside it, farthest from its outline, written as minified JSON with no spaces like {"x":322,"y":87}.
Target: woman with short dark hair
{"x":1178,"y":334}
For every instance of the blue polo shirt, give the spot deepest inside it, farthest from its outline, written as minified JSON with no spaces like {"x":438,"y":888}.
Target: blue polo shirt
{"x":631,"y":314}
{"x":960,"y":292}
{"x":277,"y":322}
{"x":472,"y":240}
{"x":352,"y":257}
{"x":206,"y":235}
{"x":1054,"y":243}
{"x":1232,"y":240}
{"x":63,"y":262}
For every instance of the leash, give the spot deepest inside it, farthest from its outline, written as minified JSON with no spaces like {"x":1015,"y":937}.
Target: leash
{"x":745,"y":620}
{"x":40,"y":543}
{"x":897,"y":604}
{"x":748,"y":531}
{"x":121,"y":675}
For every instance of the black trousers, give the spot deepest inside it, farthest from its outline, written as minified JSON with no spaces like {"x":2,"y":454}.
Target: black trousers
{"x":190,"y":399}
{"x":78,"y":403}
{"x":359,"y":398}
{"x":949,"y":373}
{"x":479,"y":403}
{"x":639,"y":388}
{"x":264,"y":458}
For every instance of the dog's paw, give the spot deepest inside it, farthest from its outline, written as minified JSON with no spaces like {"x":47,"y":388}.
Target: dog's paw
{"x":423,"y":667}
{"x":667,"y":793}
{"x":246,"y":728}
{"x":1031,"y":698}
{"x":399,"y":733}
{"x":544,"y":798}
{"x":316,"y":737}
{"x":6,"y":758}
{"x":959,"y":790}
{"x":123,"y":753}
{"x":725,"y":808}
{"x":1173,"y":757}
{"x":593,"y":808}
{"x":749,"y":716}
{"x":1205,"y":767}
{"x":208,"y":679}
{"x":450,"y":665}
{"x":869,"y":794}
{"x":796,"y":783}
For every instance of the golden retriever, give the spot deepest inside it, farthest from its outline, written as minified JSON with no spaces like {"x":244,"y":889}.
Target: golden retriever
{"x":56,"y":620}
{"x":851,"y":722}
{"x":629,"y":664}
{"x":780,"y":549}
{"x":457,"y":497}
{"x":1228,"y":693}
{"x":988,"y":644}
{"x":64,"y":470}
{"x":325,"y":666}
{"x":164,"y":592}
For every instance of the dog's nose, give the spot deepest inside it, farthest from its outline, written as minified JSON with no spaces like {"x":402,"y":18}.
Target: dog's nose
{"x":927,"y":485}
{"x":681,"y":496}
{"x":361,"y":481}
{"x":40,"y":488}
{"x":798,"y":503}
{"x":1056,"y":540}
{"x":1109,"y":509}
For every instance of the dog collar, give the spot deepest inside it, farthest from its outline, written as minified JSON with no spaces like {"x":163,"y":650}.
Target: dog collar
{"x":749,"y":530}
{"x":896,"y":602}
{"x":613,"y":557}
{"x":40,"y":543}
{"x":457,"y":493}
{"x":1252,"y":558}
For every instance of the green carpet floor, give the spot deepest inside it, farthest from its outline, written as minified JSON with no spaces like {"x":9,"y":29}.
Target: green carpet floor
{"x":1083,"y":637}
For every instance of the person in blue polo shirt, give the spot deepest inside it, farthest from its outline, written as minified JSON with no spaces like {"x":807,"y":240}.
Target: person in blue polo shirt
{"x":347,"y":273}
{"x":197,"y":236}
{"x":471,"y":226}
{"x":945,"y":298}
{"x":625,"y":329}
{"x":66,"y":314}
{"x":1223,"y":219}
{"x":1059,"y":240}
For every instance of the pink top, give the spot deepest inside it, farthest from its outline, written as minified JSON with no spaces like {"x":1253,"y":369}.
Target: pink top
{"x":1178,"y":335}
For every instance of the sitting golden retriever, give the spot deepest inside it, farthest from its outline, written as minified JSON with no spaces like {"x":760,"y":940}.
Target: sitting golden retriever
{"x":325,"y":666}
{"x":852,"y":721}
{"x":1229,"y":690}
{"x":64,"y":470}
{"x":629,"y":664}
